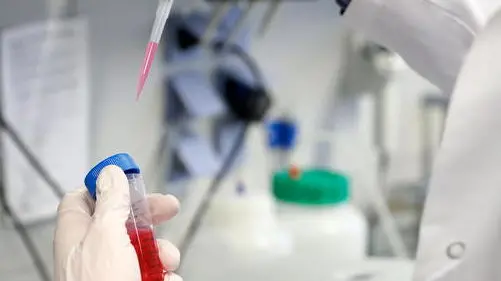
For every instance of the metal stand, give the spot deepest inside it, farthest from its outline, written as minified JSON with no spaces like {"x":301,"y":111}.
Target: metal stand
{"x":8,"y":212}
{"x":384,"y":214}
{"x":25,"y":238}
{"x":431,"y":101}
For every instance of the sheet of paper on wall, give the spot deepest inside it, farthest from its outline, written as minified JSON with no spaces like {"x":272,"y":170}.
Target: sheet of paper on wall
{"x":45,"y":98}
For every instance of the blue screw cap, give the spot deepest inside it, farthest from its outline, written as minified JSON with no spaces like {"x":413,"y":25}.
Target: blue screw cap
{"x":122,"y":160}
{"x":282,"y":134}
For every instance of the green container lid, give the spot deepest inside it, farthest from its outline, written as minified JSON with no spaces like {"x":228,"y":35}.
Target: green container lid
{"x":312,"y":187}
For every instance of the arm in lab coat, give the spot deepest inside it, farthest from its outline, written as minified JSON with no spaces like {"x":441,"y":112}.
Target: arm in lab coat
{"x":432,"y":36}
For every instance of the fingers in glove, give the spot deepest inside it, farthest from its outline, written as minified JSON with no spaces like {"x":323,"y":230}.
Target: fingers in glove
{"x":73,"y":219}
{"x":172,"y":277}
{"x":162,"y":207}
{"x":113,"y":200}
{"x":169,"y":254}
{"x":78,"y":202}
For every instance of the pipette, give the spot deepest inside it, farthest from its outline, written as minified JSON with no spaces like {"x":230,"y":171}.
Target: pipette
{"x":163,"y":10}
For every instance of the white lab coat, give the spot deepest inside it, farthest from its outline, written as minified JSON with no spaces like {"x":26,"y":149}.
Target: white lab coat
{"x":460,"y":237}
{"x":433,"y":36}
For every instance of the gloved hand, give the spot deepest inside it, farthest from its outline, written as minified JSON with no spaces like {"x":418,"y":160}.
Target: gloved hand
{"x":91,"y":241}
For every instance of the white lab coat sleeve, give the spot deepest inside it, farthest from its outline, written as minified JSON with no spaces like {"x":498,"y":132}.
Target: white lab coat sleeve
{"x":432,"y":36}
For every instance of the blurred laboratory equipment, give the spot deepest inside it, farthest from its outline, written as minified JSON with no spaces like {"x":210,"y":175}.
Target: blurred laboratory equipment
{"x":307,"y":221}
{"x":218,"y":13}
{"x":236,"y":30}
{"x":162,"y":14}
{"x":212,"y":96}
{"x":314,"y":212}
{"x":248,"y":102}
{"x":434,"y":107}
{"x":282,"y":132}
{"x":361,"y":58}
{"x":382,"y":58}
{"x":269,"y":16}
{"x":241,"y":220}
{"x":406,"y":199}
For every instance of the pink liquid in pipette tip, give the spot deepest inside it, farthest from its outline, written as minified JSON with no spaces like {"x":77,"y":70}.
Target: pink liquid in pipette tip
{"x":149,"y":55}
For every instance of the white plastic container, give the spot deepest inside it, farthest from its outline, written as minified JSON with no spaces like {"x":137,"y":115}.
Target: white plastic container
{"x":255,"y":236}
{"x":314,"y":212}
{"x":251,"y":235}
{"x":326,"y":232}
{"x":293,"y":220}
{"x":244,"y":221}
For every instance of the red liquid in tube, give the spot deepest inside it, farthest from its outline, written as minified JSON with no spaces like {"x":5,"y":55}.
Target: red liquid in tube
{"x":145,"y":244}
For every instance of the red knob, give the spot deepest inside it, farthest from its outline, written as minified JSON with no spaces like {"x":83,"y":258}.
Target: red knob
{"x":294,"y":172}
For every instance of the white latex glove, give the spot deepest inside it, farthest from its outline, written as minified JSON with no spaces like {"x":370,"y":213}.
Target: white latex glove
{"x":91,"y":241}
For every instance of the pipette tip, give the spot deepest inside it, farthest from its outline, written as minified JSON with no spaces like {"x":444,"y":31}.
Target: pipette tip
{"x":140,"y":86}
{"x":149,"y":55}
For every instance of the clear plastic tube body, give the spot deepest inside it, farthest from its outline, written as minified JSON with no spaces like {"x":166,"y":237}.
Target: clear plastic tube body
{"x":281,"y":141}
{"x":280,"y":159}
{"x":140,"y":230}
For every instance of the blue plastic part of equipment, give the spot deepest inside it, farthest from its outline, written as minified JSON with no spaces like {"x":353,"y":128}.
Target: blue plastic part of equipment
{"x":282,"y":134}
{"x":123,"y":160}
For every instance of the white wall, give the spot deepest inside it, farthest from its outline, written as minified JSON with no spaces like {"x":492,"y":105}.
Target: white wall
{"x":117,"y":43}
